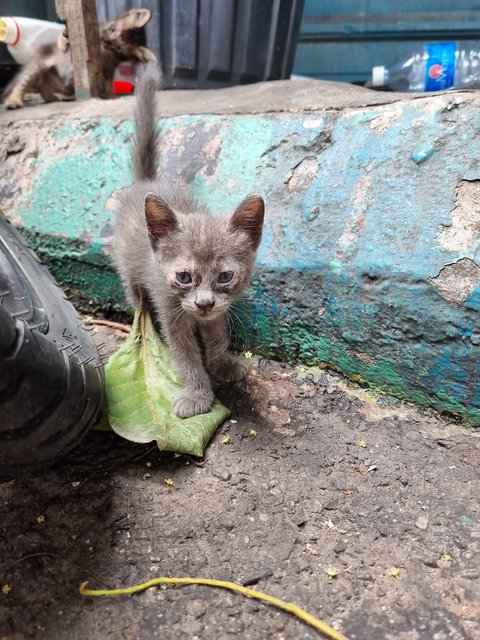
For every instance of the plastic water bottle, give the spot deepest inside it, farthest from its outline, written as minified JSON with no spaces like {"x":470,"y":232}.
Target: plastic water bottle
{"x":23,"y":36}
{"x":434,"y":67}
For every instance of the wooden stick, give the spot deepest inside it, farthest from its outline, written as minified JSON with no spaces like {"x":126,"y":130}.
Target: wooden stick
{"x":82,"y":25}
{"x":109,"y":323}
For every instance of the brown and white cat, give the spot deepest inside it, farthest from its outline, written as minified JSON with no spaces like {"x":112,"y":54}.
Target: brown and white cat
{"x":51,"y":72}
{"x":189,"y":264}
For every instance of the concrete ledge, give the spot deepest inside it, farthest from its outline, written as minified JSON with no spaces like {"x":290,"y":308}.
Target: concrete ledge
{"x":370,"y":257}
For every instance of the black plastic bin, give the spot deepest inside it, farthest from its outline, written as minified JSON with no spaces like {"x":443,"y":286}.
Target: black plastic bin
{"x":218,"y":43}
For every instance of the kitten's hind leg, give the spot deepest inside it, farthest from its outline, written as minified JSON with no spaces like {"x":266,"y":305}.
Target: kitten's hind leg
{"x":222,"y":364}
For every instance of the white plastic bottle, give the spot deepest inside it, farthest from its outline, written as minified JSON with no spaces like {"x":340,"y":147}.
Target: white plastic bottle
{"x":433,"y":67}
{"x":23,"y":36}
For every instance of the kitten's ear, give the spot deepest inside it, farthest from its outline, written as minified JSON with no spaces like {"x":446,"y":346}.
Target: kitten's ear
{"x":160,"y":218}
{"x":133,"y":19}
{"x":248,"y":217}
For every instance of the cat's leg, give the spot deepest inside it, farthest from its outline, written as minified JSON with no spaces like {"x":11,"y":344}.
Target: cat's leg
{"x":47,"y":94}
{"x":197,"y":395}
{"x":64,"y":97}
{"x":50,"y":95}
{"x":23,"y":81}
{"x":109,"y":92}
{"x":222,"y":364}
{"x":53,"y":87}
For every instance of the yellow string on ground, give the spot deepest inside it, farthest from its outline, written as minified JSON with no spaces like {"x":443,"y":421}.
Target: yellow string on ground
{"x":250,"y":593}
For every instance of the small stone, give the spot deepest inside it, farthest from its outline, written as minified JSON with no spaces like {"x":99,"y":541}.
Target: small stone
{"x":332,"y":504}
{"x":15,"y":145}
{"x":431,"y":560}
{"x":221,"y":474}
{"x":422,"y":523}
{"x":413,"y":435}
{"x":256,"y":577}
{"x":225,"y":523}
{"x":317,"y":506}
{"x":279,"y":624}
{"x":195,"y":628}
{"x":471,"y":574}
{"x":446,"y":444}
{"x":196,"y":608}
{"x":340,"y":546}
{"x":235,"y":626}
{"x":301,"y":520}
{"x":363,"y":575}
{"x":461,"y":544}
{"x":381,"y":592}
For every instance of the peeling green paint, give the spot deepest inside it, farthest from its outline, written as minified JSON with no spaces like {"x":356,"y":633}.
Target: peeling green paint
{"x":85,"y":269}
{"x":70,"y":186}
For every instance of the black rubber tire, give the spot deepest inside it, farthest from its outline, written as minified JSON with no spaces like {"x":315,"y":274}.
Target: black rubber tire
{"x":51,"y":378}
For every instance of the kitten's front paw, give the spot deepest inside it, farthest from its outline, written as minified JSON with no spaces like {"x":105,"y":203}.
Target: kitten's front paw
{"x":228,"y":369}
{"x":13,"y":102}
{"x":191,"y":403}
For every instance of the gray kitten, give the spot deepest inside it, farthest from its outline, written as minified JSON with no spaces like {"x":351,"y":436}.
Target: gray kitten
{"x":189,"y":264}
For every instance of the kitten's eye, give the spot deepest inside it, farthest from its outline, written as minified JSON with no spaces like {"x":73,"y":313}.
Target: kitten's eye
{"x":183,"y":277}
{"x":225,"y":276}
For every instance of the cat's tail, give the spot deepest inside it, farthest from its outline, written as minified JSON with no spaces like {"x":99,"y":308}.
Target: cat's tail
{"x":145,"y":150}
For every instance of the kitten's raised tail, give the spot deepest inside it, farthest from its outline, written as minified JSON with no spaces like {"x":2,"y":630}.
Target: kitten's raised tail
{"x":145,"y":152}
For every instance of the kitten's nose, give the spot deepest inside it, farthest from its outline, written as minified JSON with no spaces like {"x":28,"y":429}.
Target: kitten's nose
{"x":205,"y":305}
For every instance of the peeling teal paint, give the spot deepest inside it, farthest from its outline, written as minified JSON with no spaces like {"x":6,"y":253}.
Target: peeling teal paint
{"x":355,"y":204}
{"x":422,"y":153}
{"x":71,"y":184}
{"x":243,"y":137}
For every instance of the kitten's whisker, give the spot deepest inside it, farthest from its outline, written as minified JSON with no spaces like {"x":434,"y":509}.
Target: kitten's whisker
{"x":177,"y":315}
{"x":216,"y":347}
{"x":234,"y":319}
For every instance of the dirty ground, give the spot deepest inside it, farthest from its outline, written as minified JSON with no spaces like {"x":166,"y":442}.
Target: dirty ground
{"x":310,"y":475}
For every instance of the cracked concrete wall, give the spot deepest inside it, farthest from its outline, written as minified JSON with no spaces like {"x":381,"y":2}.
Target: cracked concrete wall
{"x":370,"y":255}
{"x":463,"y":232}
